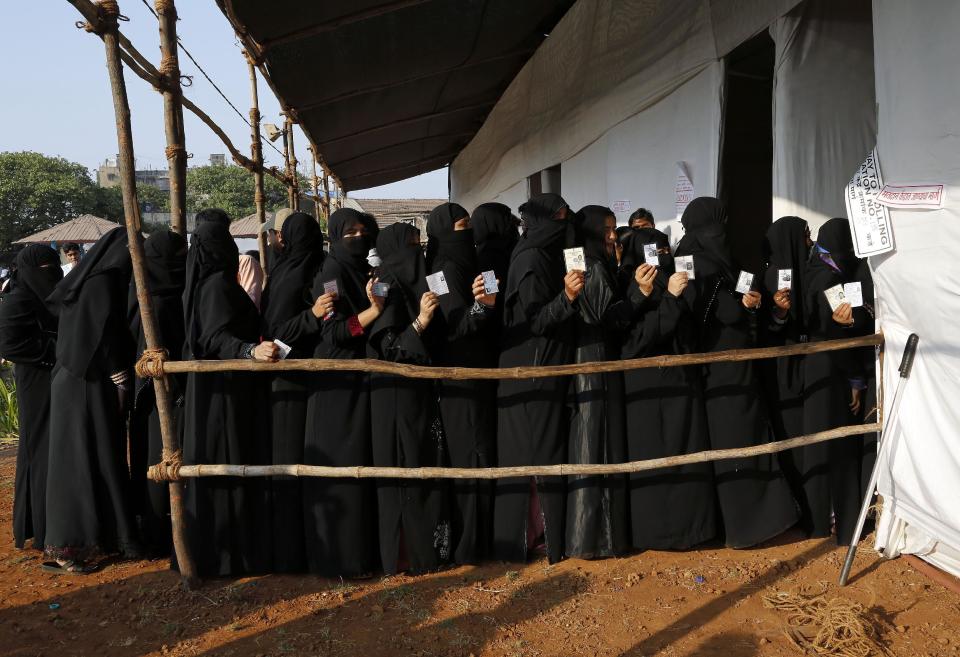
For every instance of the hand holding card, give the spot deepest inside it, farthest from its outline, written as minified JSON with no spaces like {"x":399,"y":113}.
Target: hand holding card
{"x":784,"y":279}
{"x":438,"y":284}
{"x":490,"y":282}
{"x":330,"y":287}
{"x":685,"y":264}
{"x":575,"y":259}
{"x":835,"y":297}
{"x":745,"y":282}
{"x":650,"y":255}
{"x":283,"y":349}
{"x":853,"y":293}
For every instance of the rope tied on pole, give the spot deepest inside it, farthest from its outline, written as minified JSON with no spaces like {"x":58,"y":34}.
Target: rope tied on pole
{"x":108,"y":13}
{"x":168,"y":469}
{"x":173,"y":150}
{"x":166,"y":7}
{"x":150,"y":364}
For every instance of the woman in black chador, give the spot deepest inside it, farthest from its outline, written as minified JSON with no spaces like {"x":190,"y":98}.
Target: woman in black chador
{"x":89,"y":507}
{"x":597,"y":517}
{"x":835,"y":386}
{"x":755,"y":500}
{"x":224,"y":419}
{"x":495,"y":231}
{"x":340,"y":515}
{"x":672,"y":508}
{"x":467,"y":408}
{"x":533,"y":419}
{"x":414,"y":534}
{"x":165,"y":255}
{"x":28,"y":338}
{"x":292,"y":315}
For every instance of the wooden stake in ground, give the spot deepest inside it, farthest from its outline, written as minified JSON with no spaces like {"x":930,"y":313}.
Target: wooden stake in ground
{"x":256,"y":152}
{"x":103,"y":20}
{"x":293,"y":191}
{"x":173,"y":114}
{"x":317,"y":203}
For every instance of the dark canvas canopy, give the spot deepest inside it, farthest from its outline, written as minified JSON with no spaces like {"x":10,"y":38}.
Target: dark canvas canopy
{"x":387,"y":90}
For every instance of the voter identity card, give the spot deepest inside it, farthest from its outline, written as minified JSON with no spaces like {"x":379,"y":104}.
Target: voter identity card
{"x":438,"y":284}
{"x":835,"y":297}
{"x":745,"y":282}
{"x":490,"y":282}
{"x":330,"y":287}
{"x":685,"y":263}
{"x":784,"y":279}
{"x":575,"y":259}
{"x":853,"y":292}
{"x":650,"y":255}
{"x":381,"y":289}
{"x":284,"y":348}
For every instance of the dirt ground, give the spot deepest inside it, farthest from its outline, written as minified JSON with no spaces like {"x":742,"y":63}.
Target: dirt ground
{"x":706,"y":602}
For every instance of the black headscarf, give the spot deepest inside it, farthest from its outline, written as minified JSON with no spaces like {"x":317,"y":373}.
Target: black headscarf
{"x":347,"y":264}
{"x":705,"y":237}
{"x":785,"y":247}
{"x":38,"y":272}
{"x":834,"y":237}
{"x":404,"y":269}
{"x":288,"y":288}
{"x":541,"y":230}
{"x":212,"y":253}
{"x":592,"y":220}
{"x":215,"y":215}
{"x":165,"y":257}
{"x":83,"y":320}
{"x":495,"y":233}
{"x":452,"y":252}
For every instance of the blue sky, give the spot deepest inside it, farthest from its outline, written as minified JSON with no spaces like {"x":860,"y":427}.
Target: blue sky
{"x":57,"y":98}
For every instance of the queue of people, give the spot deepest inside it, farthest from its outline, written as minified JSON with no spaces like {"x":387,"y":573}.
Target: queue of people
{"x":90,"y":427}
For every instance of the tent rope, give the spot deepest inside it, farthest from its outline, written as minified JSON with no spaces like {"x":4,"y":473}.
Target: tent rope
{"x":150,"y":364}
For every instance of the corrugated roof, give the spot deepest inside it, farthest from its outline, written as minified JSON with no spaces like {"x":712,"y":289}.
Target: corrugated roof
{"x":391,"y":210}
{"x":85,"y":229}
{"x":249,"y":226}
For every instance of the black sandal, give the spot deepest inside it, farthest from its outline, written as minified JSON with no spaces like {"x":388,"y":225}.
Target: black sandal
{"x":67,"y":566}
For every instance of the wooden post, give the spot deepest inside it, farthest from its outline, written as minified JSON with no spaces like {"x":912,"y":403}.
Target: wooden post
{"x":107,"y":25}
{"x":317,"y":203}
{"x":256,"y":153}
{"x":294,"y":190}
{"x":173,"y":115}
{"x":326,"y":190}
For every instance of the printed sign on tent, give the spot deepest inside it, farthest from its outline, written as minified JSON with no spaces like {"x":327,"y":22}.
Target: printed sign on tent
{"x":683,"y":191}
{"x":621,"y":206}
{"x":869,"y":220}
{"x":911,"y":197}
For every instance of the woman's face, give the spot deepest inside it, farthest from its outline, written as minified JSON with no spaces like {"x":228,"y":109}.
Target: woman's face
{"x":462,"y":224}
{"x":413,"y":240}
{"x":356,"y":229}
{"x":561,"y":214}
{"x":808,"y":238}
{"x":610,"y":234}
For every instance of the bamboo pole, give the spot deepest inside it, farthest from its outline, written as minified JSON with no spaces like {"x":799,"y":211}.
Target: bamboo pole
{"x":466,"y":373}
{"x":162,"y":472}
{"x":256,"y":153}
{"x":105,"y":24}
{"x":173,"y":114}
{"x":317,"y":203}
{"x":293,"y":191}
{"x":326,"y":189}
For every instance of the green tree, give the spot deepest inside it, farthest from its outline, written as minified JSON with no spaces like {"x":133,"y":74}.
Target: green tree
{"x":109,"y":201}
{"x":38,"y":192}
{"x":231,"y":188}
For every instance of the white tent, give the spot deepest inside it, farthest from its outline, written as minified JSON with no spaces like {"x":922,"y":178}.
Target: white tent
{"x":624,"y":90}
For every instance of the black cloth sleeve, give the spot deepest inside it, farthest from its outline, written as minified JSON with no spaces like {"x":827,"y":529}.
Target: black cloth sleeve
{"x":542,"y":311}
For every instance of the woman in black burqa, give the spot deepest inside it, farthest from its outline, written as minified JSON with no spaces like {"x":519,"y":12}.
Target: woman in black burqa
{"x":755,"y":500}
{"x":292,"y":315}
{"x":835,"y":385}
{"x":665,"y":409}
{"x":533,"y":419}
{"x":406,"y":427}
{"x":28,"y":338}
{"x":89,"y":509}
{"x":340,"y":515}
{"x":597,"y":523}
{"x":224,"y":419}
{"x":165,"y":257}
{"x":467,"y":408}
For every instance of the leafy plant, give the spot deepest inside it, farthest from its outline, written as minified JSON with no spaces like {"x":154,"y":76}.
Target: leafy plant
{"x":9,"y":417}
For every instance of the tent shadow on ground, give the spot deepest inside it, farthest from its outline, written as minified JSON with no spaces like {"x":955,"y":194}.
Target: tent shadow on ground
{"x":703,"y":615}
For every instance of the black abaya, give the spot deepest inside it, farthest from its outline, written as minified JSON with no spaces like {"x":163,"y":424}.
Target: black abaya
{"x":89,"y":507}
{"x":665,"y":415}
{"x":533,"y":419}
{"x":287,"y":308}
{"x":340,"y":515}
{"x":165,"y":257}
{"x":224,"y":421}
{"x":467,"y":408}
{"x":406,"y":426}
{"x":597,"y":516}
{"x":755,"y":500}
{"x":831,"y":472}
{"x":28,"y":335}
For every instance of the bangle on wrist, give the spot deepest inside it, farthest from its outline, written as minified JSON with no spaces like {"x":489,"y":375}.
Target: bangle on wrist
{"x":417,"y":326}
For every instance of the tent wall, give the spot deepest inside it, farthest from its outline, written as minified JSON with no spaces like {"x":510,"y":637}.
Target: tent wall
{"x":917,"y":51}
{"x":606,"y":61}
{"x":636,"y":161}
{"x":824,"y":106}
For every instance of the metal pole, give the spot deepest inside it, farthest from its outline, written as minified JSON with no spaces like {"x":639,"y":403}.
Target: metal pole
{"x":107,"y":22}
{"x":173,"y":115}
{"x":256,"y":153}
{"x":294,"y":182}
{"x":906,"y":364}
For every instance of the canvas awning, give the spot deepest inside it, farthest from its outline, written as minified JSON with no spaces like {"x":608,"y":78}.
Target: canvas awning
{"x":391,"y":89}
{"x":85,"y":229}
